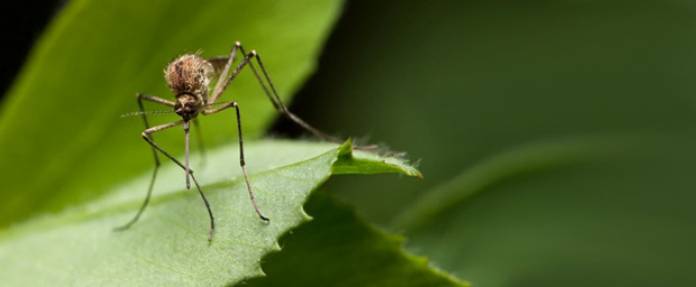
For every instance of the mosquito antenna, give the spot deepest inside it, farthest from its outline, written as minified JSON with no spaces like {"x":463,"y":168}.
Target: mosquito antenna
{"x":153,"y":112}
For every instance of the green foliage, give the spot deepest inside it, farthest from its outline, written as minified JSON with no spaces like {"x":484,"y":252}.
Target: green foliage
{"x":614,"y":218}
{"x":169,"y":245}
{"x":520,"y":162}
{"x":367,"y":256}
{"x":85,"y":71}
{"x":499,"y":99}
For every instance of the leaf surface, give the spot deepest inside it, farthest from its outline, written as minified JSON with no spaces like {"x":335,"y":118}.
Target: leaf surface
{"x":169,"y":246}
{"x":339,"y":247}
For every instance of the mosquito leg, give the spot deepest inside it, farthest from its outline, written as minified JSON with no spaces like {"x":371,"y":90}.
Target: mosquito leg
{"x":272,"y":95}
{"x":277,"y":102}
{"x":199,"y":140}
{"x":242,"y":162}
{"x":147,"y":136}
{"x":152,"y":179}
{"x":140,"y":98}
{"x":211,"y":230}
{"x":224,"y":78}
{"x":187,"y":145}
{"x":271,"y":92}
{"x":158,"y":100}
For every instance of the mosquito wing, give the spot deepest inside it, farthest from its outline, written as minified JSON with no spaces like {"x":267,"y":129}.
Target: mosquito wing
{"x":218,"y":63}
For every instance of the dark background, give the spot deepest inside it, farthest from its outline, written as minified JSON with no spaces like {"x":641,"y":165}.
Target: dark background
{"x":22,"y":23}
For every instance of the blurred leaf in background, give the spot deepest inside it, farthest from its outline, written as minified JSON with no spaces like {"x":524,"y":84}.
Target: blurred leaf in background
{"x":63,"y":140}
{"x":461,"y":83}
{"x":597,"y":220}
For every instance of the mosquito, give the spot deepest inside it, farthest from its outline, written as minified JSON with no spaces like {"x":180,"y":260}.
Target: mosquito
{"x":188,"y":77}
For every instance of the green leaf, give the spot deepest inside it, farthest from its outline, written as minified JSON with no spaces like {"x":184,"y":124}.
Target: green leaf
{"x":468,"y":86}
{"x":340,"y":248}
{"x":574,"y":212}
{"x":466,"y":81}
{"x":169,"y":246}
{"x":525,"y":160}
{"x":63,"y":141}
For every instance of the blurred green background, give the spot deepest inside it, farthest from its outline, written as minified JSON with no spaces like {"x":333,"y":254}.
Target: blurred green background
{"x":459,"y":83}
{"x":555,"y":137}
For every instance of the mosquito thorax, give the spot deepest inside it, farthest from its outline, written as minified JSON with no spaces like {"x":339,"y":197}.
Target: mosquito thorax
{"x":189,"y":74}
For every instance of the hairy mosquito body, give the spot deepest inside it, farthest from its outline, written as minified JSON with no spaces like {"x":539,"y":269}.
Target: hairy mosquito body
{"x":189,"y":77}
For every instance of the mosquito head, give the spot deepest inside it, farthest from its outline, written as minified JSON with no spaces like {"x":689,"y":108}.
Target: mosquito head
{"x":189,"y":74}
{"x":187,"y":106}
